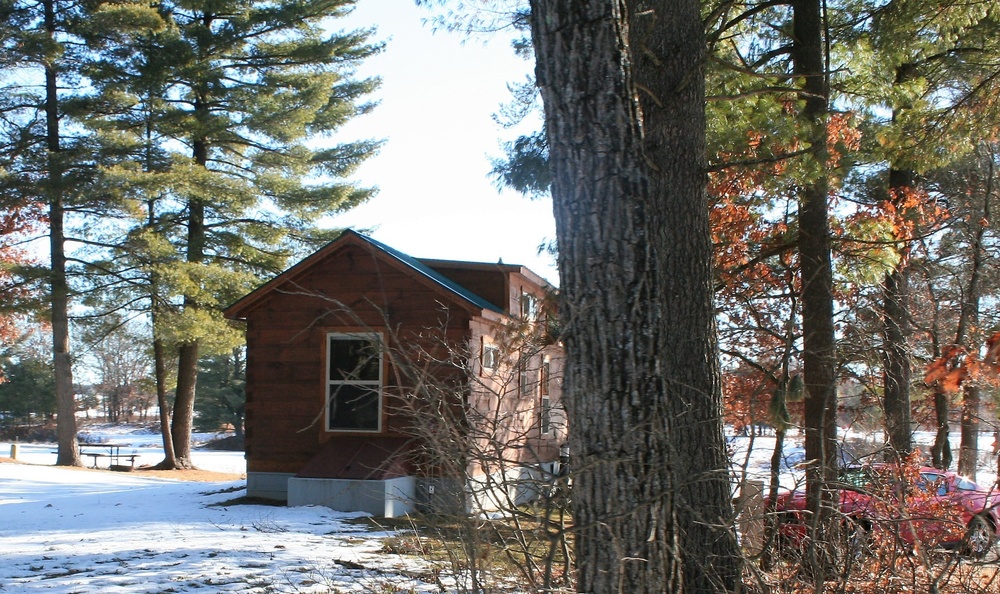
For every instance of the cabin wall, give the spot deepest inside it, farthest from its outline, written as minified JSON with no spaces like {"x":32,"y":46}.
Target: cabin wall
{"x":286,"y":333}
{"x":508,"y":401}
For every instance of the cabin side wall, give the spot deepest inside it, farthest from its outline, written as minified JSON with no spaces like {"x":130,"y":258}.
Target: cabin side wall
{"x":286,"y":333}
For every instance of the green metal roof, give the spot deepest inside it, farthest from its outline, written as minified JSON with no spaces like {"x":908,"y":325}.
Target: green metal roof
{"x":440,"y":279}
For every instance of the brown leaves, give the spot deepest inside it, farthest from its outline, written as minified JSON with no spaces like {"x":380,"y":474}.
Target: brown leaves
{"x":958,"y":365}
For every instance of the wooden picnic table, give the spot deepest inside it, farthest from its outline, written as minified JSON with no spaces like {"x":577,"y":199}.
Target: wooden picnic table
{"x":111,"y":451}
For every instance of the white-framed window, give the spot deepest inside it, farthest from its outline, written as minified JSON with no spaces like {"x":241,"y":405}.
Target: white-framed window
{"x":545,"y":412}
{"x":489,"y":357}
{"x":354,"y":382}
{"x":529,"y":307}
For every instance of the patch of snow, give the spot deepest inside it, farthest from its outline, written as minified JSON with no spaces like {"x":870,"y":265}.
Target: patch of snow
{"x":144,"y":442}
{"x":65,"y":530}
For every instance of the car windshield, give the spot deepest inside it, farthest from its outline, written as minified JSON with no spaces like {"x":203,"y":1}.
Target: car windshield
{"x":856,"y":477}
{"x":964,"y":484}
{"x":928,"y":481}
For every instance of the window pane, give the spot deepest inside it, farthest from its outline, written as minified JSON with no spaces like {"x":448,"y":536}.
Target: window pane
{"x":491,"y":357}
{"x":353,"y":358}
{"x":353,"y":407}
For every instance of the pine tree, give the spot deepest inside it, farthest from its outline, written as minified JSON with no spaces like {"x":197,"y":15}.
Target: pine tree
{"x":221,"y":392}
{"x":224,"y":110}
{"x":43,"y":49}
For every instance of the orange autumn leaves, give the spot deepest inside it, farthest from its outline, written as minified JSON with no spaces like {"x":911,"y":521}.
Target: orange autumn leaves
{"x":959,"y":365}
{"x":753,"y":219}
{"x":17,"y":224}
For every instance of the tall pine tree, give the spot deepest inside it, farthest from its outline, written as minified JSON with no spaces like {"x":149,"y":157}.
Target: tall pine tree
{"x":44,"y":47}
{"x":225,"y":110}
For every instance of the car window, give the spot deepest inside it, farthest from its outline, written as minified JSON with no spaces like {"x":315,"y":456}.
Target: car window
{"x":964,"y":484}
{"x":929,"y":481}
{"x":855,"y":478}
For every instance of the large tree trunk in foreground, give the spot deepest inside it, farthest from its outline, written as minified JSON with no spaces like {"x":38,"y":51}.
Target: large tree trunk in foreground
{"x":667,"y":42}
{"x":641,"y":379}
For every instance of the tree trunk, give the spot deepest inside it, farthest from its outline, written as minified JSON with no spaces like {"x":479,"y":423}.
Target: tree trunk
{"x":896,"y":362}
{"x":188,"y":352}
{"x":624,"y":516}
{"x":187,"y":376}
{"x":941,"y":451}
{"x":968,"y":329}
{"x":66,"y":429}
{"x":814,"y":245}
{"x":641,"y":368}
{"x":160,"y":366}
{"x":668,"y":56}
{"x":896,"y":304}
{"x":968,"y":452}
{"x":62,"y":362}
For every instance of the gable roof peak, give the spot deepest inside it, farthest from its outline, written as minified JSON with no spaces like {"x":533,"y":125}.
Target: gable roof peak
{"x":241,"y":307}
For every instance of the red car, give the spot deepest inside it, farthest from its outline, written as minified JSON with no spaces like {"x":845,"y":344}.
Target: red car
{"x":927,"y":506}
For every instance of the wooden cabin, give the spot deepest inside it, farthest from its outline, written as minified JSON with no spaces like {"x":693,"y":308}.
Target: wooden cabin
{"x":383,"y":383}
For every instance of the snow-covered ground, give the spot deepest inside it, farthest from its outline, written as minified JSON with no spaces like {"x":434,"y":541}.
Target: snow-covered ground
{"x":72,"y":531}
{"x":64,"y":530}
{"x":146,"y":443}
{"x":752,"y":455}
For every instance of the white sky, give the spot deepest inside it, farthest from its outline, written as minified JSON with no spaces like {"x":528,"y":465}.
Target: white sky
{"x":439,"y":92}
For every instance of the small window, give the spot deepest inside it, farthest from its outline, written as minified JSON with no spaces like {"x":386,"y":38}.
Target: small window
{"x":529,"y":307}
{"x":490,"y":356}
{"x":525,"y":376}
{"x":545,"y":420}
{"x":354,"y":382}
{"x":544,"y":376}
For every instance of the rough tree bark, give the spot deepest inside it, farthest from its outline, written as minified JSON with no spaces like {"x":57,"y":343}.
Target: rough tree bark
{"x":626,"y":139}
{"x":668,"y":53}
{"x":62,"y":363}
{"x":814,"y":246}
{"x":896,"y":330}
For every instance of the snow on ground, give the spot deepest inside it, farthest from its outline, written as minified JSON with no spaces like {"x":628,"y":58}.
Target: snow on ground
{"x":80,"y":531}
{"x":76,"y":531}
{"x":66,"y":530}
{"x":146,"y":443}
